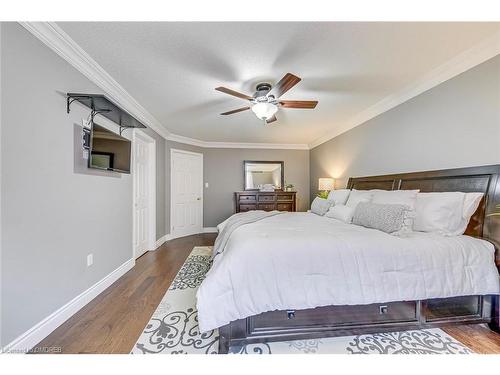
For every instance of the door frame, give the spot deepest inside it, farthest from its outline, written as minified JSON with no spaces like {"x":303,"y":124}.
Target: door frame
{"x":151,"y":189}
{"x":172,"y":212}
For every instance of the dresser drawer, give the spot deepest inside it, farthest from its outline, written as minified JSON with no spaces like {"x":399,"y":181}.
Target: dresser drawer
{"x":284,"y":207}
{"x":268,"y":201}
{"x":285,"y":197}
{"x":335,"y":315}
{"x":247,"y":207}
{"x":247,"y":198}
{"x":266,"y":198}
{"x":266,"y":206}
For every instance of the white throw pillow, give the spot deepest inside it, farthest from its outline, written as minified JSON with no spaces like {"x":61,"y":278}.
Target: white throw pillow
{"x":358,"y":196}
{"x":471,"y":203}
{"x":320,"y":206}
{"x":339,"y":196}
{"x":439,"y":212}
{"x":404,"y":197}
{"x":341,"y":212}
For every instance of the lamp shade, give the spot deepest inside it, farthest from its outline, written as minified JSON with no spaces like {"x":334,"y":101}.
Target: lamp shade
{"x":326,"y":183}
{"x":264,"y":111}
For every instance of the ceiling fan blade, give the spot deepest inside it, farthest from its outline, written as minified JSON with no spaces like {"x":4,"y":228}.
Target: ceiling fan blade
{"x":233,"y":93}
{"x":285,"y":84}
{"x":235,"y":111}
{"x":304,"y":104}
{"x":272,"y":119}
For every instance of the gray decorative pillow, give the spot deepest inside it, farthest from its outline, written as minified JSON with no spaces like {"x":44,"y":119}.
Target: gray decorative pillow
{"x":390,"y":218}
{"x":320,"y":206}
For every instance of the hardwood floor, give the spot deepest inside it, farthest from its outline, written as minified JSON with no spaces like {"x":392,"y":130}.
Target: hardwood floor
{"x":113,"y":321}
{"x":477,"y":337}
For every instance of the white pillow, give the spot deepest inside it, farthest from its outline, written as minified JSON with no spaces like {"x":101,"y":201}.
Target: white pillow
{"x":339,"y":196}
{"x":439,"y":212}
{"x":320,"y":206}
{"x":404,"y":197}
{"x":471,"y":203}
{"x":358,"y":196}
{"x":341,"y":212}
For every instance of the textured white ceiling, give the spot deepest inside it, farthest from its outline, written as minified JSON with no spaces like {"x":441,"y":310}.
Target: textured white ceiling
{"x":172,"y":69}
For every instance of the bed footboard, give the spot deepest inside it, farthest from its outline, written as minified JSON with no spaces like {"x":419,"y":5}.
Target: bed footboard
{"x":224,"y":338}
{"x":495,"y":319}
{"x":331,"y":321}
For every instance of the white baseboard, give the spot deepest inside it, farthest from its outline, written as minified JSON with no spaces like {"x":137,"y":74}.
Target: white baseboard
{"x":170,"y":236}
{"x":41,"y":330}
{"x":160,"y":241}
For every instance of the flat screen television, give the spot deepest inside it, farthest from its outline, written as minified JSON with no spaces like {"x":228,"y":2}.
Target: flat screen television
{"x":109,"y":151}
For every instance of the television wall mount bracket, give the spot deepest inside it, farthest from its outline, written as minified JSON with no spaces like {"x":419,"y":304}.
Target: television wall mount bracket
{"x":101,"y":105}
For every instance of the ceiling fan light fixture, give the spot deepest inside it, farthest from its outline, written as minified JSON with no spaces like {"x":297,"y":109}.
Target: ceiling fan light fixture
{"x":264,"y":111}
{"x":266,"y":101}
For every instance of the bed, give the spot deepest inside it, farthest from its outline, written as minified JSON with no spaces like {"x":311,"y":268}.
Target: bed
{"x":299,"y":275}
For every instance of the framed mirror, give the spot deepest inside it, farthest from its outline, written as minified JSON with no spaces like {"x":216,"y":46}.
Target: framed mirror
{"x":264,"y":175}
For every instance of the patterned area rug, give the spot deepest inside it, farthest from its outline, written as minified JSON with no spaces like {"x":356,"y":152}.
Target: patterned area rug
{"x":173,"y":328}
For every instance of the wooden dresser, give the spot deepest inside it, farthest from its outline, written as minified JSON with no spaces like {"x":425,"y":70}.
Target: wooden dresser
{"x":267,"y":201}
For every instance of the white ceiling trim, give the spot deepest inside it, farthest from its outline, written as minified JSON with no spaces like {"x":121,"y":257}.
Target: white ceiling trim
{"x":61,"y":43}
{"x":197,"y":142}
{"x":468,"y":59}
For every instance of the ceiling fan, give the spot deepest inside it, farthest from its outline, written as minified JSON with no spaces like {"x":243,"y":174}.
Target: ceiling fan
{"x":265,"y":102}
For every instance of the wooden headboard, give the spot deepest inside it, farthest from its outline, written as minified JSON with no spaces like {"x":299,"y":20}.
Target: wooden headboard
{"x":484,"y":179}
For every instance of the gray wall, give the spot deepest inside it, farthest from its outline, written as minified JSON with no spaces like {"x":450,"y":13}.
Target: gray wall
{"x":54,"y":210}
{"x":455,"y":124}
{"x":223,"y":170}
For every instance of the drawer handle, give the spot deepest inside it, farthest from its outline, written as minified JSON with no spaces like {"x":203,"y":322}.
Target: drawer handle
{"x":290,"y":314}
{"x":383,"y":310}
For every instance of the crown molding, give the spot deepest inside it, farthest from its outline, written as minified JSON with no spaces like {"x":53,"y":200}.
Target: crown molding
{"x":466,"y":60}
{"x":61,"y":43}
{"x":206,"y":144}
{"x":273,"y":146}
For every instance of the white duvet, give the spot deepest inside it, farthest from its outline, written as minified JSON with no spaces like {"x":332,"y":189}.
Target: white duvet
{"x":302,"y":260}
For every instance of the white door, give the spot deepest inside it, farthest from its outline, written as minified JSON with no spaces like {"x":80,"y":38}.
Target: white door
{"x":186,"y":193}
{"x":142,"y":179}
